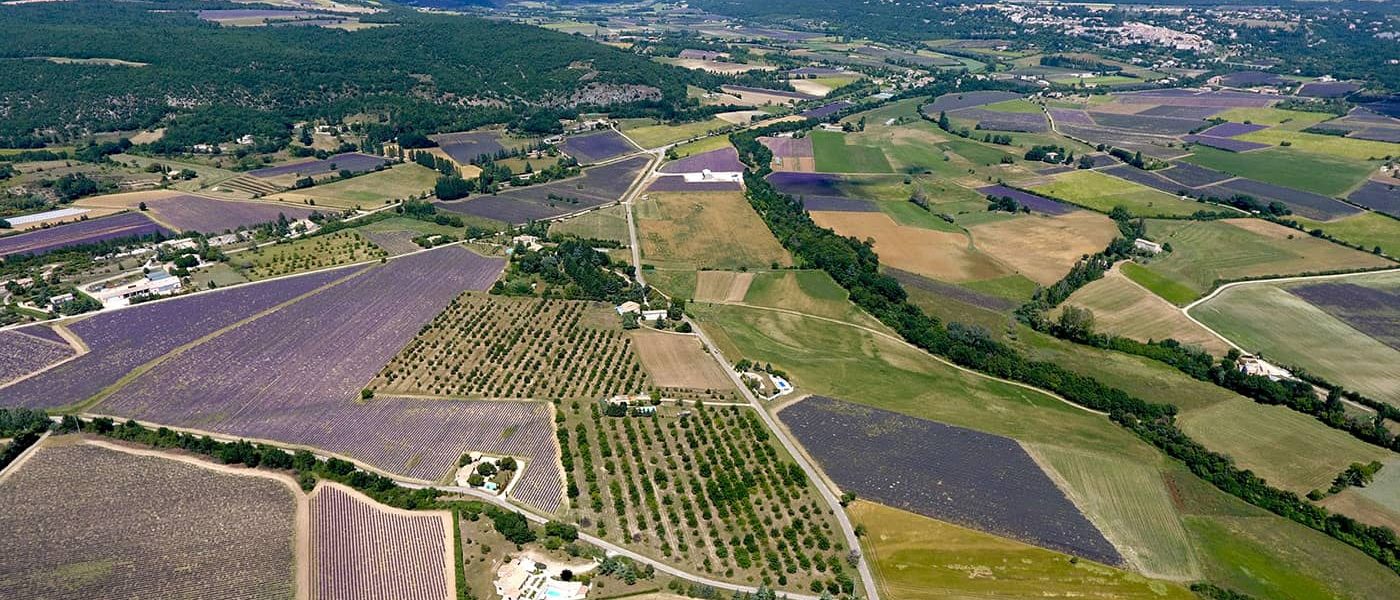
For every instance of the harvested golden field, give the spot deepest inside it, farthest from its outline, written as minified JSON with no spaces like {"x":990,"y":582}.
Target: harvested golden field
{"x":1042,"y":248}
{"x":679,"y":360}
{"x":1124,"y":308}
{"x":722,"y":286}
{"x":941,"y":255}
{"x":716,"y":230}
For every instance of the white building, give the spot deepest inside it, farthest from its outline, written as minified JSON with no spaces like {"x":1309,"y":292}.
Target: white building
{"x":629,"y":307}
{"x":155,"y":283}
{"x":1253,"y":365}
{"x":1147,"y":246}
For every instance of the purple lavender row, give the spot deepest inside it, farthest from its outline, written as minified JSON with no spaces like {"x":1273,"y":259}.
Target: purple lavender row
{"x":91,"y":231}
{"x":363,"y":552}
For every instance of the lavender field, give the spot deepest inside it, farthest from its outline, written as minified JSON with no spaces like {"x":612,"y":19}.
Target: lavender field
{"x":354,"y":162}
{"x":362,"y":551}
{"x":294,"y":374}
{"x":1229,"y":130}
{"x":787,"y":147}
{"x":597,"y":186}
{"x":679,"y":184}
{"x":956,"y":292}
{"x":1307,"y":204}
{"x":1150,"y":179}
{"x":807,"y":184}
{"x":83,"y":522}
{"x":971,"y":478}
{"x":1230,"y":144}
{"x":22,"y":353}
{"x":1328,"y":90}
{"x":1372,"y":311}
{"x":1004,"y":121}
{"x":123,"y":340}
{"x":1181,"y":112}
{"x":1377,"y":196}
{"x":208,"y":215}
{"x":464,"y":147}
{"x":1148,"y":124}
{"x":1036,"y":203}
{"x":724,"y":160}
{"x":125,"y":225}
{"x":1068,"y":116}
{"x":825,"y":110}
{"x":596,"y":147}
{"x":1191,"y":175}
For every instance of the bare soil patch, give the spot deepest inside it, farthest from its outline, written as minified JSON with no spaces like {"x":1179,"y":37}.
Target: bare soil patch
{"x":938,"y":254}
{"x":679,"y":360}
{"x":722,"y":286}
{"x":1045,"y":248}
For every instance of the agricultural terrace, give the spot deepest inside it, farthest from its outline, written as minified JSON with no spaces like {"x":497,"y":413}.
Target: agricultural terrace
{"x":1316,"y":453}
{"x":1205,"y":252}
{"x":141,"y":527}
{"x":1287,"y":329}
{"x":1043,"y":249}
{"x":716,"y":230}
{"x":122,"y":341}
{"x":483,"y":346}
{"x":1101,"y":192}
{"x":944,"y":255}
{"x":705,"y":486}
{"x":608,"y":223}
{"x":24,"y":351}
{"x":971,"y":478}
{"x":1122,"y":307}
{"x":337,"y":248}
{"x":918,"y":558}
{"x":314,"y":356}
{"x":364,"y":550}
{"x":368,"y":190}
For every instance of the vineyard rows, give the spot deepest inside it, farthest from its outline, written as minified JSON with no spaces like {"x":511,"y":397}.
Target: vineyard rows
{"x":360,"y":551}
{"x":496,"y":347}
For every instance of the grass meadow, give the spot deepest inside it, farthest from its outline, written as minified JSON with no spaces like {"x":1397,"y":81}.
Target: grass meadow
{"x":368,"y":190}
{"x":1102,"y":193}
{"x":918,"y":558}
{"x":1315,"y":453}
{"x":1170,"y":290}
{"x":1288,"y":167}
{"x":1123,"y":308}
{"x":1265,"y":318}
{"x":834,"y":155}
{"x":1329,"y":145}
{"x":1206,"y":251}
{"x":608,"y":223}
{"x":655,"y":136}
{"x":808,"y":292}
{"x":1367,"y":229}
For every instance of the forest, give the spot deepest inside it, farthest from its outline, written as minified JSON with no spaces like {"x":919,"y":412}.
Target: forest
{"x":427,"y":72}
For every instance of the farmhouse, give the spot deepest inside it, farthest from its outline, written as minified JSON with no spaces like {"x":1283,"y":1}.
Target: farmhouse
{"x":1147,"y":246}
{"x":628,"y":307}
{"x":525,"y":579}
{"x":530,"y":242}
{"x":1253,"y":365}
{"x":155,"y":283}
{"x":58,"y":301}
{"x":652,"y":315}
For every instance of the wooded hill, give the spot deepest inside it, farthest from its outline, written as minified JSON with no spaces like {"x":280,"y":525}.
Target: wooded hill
{"x":431,"y":72}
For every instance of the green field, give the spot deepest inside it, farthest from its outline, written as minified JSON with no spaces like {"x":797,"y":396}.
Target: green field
{"x":1206,"y":251}
{"x":974,"y":152}
{"x":917,"y":558}
{"x":845,"y":362}
{"x":368,"y":190}
{"x":657,"y":135}
{"x":1014,"y":106}
{"x":1253,"y":435}
{"x":834,"y":155}
{"x":603,"y":224}
{"x":1123,"y":308}
{"x":1367,"y":230}
{"x":1172,"y":291}
{"x":1275,"y":117}
{"x":319,"y":252}
{"x":1102,"y":193}
{"x":1287,"y":167}
{"x":807,"y":292}
{"x":1267,"y":319}
{"x":1329,"y":145}
{"x":714,"y":142}
{"x":1130,"y":504}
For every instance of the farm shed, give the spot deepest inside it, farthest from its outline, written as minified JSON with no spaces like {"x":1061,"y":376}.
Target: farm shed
{"x":1147,"y":246}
